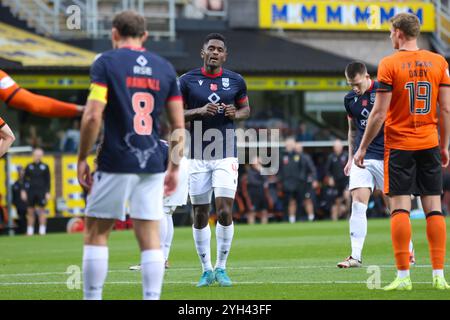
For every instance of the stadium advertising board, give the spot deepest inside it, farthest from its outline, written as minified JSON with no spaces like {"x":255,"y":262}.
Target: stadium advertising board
{"x":256,"y":83}
{"x":32,"y":50}
{"x":340,"y":15}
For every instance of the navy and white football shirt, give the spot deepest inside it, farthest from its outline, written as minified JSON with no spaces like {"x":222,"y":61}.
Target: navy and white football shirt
{"x":139,"y":84}
{"x":200,"y":88}
{"x":358,"y":109}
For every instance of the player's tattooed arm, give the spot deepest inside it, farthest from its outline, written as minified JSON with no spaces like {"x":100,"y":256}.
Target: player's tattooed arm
{"x":91,"y":123}
{"x":208,"y":110}
{"x":352,"y":131}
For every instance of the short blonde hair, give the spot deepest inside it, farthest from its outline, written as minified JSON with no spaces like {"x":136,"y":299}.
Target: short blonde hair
{"x":408,"y":23}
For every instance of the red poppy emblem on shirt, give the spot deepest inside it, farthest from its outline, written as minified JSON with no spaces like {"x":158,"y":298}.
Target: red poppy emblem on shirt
{"x":213,"y":86}
{"x":364,"y":103}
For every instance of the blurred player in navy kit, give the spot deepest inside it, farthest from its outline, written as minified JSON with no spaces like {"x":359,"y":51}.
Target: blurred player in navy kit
{"x":358,"y":104}
{"x":214,"y":98}
{"x":37,"y":184}
{"x":130,"y":87}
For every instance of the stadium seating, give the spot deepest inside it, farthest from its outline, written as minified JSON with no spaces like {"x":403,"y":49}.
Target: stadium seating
{"x":50,"y":17}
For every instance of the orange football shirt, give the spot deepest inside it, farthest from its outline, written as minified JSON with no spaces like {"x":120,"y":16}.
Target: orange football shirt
{"x":22,"y":99}
{"x":414,"y":78}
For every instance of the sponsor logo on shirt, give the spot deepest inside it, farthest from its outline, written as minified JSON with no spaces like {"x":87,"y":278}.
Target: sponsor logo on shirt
{"x":214,"y":98}
{"x":141,"y":61}
{"x":146,"y":71}
{"x":142,"y":69}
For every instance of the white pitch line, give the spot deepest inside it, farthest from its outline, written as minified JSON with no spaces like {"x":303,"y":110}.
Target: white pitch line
{"x":193,"y":283}
{"x":197,"y":268}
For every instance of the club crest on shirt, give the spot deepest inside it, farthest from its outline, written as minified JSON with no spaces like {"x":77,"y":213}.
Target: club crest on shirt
{"x":372,"y":97}
{"x":213,"y":86}
{"x":225,"y":82}
{"x":200,"y":82}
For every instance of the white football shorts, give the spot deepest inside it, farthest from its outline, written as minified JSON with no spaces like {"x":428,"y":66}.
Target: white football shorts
{"x":371,"y":177}
{"x":207,"y":175}
{"x":111,"y":193}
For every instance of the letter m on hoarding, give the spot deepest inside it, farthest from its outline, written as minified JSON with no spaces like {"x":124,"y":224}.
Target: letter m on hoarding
{"x":419,"y":14}
{"x":334,"y":15}
{"x":362,"y":16}
{"x":309,"y":15}
{"x":385,"y":16}
{"x":279,"y":13}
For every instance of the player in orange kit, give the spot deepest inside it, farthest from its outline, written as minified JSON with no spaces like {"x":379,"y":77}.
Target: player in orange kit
{"x":22,"y":99}
{"x":412,"y":82}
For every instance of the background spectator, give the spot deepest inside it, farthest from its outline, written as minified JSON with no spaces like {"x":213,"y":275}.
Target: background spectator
{"x":71,"y":138}
{"x":307,"y":181}
{"x":289,"y":173}
{"x":255,"y":188}
{"x":336,"y":178}
{"x":303,"y":134}
{"x":19,"y":199}
{"x":37,"y":184}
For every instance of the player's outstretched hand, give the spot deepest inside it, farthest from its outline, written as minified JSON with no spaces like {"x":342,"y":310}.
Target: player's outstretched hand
{"x":230,"y":111}
{"x":359,"y":158}
{"x":209,"y":110}
{"x":84,"y":175}
{"x":170,"y":182}
{"x":444,"y":157}
{"x":348,"y":166}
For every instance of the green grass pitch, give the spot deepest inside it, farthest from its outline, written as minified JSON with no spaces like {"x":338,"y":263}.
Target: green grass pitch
{"x":275,"y":261}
